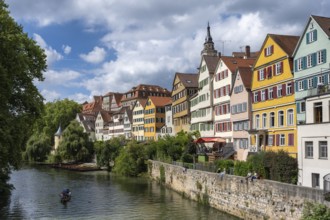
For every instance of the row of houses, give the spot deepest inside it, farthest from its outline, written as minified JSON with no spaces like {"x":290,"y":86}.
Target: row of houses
{"x":276,"y":98}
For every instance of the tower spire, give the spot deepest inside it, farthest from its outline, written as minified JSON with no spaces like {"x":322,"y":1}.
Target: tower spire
{"x":208,"y":44}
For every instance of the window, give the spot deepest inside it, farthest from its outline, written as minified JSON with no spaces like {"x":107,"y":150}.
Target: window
{"x":290,"y":117}
{"x":288,"y":89}
{"x":269,"y":50}
{"x":263,"y":95}
{"x":308,"y":149}
{"x":271,"y":119}
{"x":270,"y":140}
{"x":320,"y":56}
{"x":261,"y":74}
{"x":300,"y":85}
{"x":323,"y":149}
{"x":278,"y":68}
{"x":300,"y":64}
{"x":315,"y":180}
{"x":279,"y":91}
{"x":264,"y":120}
{"x":320,"y":80}
{"x":280,"y":118}
{"x":282,"y":139}
{"x":318,"y":112}
{"x":255,"y":97}
{"x":257,"y":122}
{"x":311,"y":36}
{"x":270,"y":93}
{"x":302,"y":106}
{"x":309,"y":60}
{"x":310,"y":83}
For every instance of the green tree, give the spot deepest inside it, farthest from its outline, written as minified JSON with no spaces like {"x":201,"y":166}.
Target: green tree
{"x":75,"y":145}
{"x":108,"y":151}
{"x":315,"y":212}
{"x":58,"y":112}
{"x":38,"y":148}
{"x":131,"y":160}
{"x":21,"y":62}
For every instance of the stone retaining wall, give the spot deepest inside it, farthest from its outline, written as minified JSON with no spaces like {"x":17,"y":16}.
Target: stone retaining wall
{"x":260,"y":199}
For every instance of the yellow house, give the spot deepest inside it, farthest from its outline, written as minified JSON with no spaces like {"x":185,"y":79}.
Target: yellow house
{"x":138,"y":119}
{"x":273,"y":101}
{"x":184,"y":86}
{"x":154,"y":116}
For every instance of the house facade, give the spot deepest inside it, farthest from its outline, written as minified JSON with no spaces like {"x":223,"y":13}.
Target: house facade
{"x":184,"y":86}
{"x":138,"y":119}
{"x":240,"y":104}
{"x":102,"y":121}
{"x":128,"y":120}
{"x":313,"y":142}
{"x":168,"y":128}
{"x":273,"y":107}
{"x":311,"y":62}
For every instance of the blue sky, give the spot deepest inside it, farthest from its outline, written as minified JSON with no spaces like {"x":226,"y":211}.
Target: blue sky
{"x":94,"y":47}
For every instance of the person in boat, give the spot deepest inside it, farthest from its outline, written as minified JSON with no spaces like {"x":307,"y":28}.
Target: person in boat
{"x":66,"y":193}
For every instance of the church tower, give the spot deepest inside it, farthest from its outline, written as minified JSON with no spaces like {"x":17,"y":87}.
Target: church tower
{"x":57,"y":137}
{"x":209,"y":45}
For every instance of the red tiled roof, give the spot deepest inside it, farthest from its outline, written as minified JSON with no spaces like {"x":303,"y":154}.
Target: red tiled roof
{"x":188,"y":79}
{"x":324,"y":23}
{"x":286,"y":42}
{"x":211,"y":62}
{"x":246,"y":76}
{"x":159,"y":101}
{"x":233,"y":62}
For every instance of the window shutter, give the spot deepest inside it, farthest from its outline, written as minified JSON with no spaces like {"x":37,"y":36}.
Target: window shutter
{"x":259,"y":96}
{"x":313,"y":59}
{"x":326,"y":80}
{"x":314,"y":82}
{"x":281,"y":71}
{"x":307,"y":38}
{"x":298,"y":107}
{"x":324,"y":52}
{"x":315,"y":35}
{"x":272,"y":49}
{"x":215,"y":93}
{"x":265,"y":71}
{"x":225,"y":126}
{"x":277,"y":140}
{"x":265,"y":52}
{"x":269,"y":72}
{"x":291,"y":139}
{"x":224,"y":109}
{"x":252,"y":98}
{"x":274,"y":70}
{"x":229,"y":126}
{"x":258,"y":75}
{"x":275,"y":92}
{"x":296,"y":66}
{"x":293,"y":87}
{"x":284,"y":89}
{"x":266,"y":94}
{"x":304,"y":62}
{"x":305,"y":84}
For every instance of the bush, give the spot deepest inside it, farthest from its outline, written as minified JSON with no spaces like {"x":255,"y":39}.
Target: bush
{"x":315,"y":212}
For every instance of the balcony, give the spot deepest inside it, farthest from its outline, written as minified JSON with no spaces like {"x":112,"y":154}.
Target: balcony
{"x":319,"y":90}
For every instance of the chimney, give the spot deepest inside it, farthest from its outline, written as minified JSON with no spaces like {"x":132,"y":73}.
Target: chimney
{"x":219,"y":54}
{"x":247,"y":51}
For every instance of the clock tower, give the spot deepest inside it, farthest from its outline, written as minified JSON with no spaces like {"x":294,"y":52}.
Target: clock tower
{"x":208,"y":44}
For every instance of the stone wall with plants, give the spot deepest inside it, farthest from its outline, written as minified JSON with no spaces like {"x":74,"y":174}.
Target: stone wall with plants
{"x":258,"y":199}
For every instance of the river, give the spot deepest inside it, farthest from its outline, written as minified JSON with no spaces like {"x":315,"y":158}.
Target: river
{"x":96,"y":195}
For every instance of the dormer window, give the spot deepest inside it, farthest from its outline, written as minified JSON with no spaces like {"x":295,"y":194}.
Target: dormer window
{"x":311,"y":37}
{"x":269,"y":50}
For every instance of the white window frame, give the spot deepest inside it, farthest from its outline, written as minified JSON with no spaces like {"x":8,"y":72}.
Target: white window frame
{"x":320,"y":80}
{"x":270,"y":140}
{"x":257,"y":121}
{"x":320,"y":57}
{"x":310,"y":36}
{"x":263,"y":95}
{"x":261,"y":74}
{"x":322,"y":145}
{"x":282,"y":140}
{"x":309,"y":149}
{"x":270,"y":93}
{"x":278,"y":68}
{"x":288,"y":88}
{"x":290,"y":117}
{"x":300,"y":85}
{"x":299,"y":64}
{"x":279,"y":91}
{"x":310,"y":83}
{"x":268,"y":51}
{"x":264,"y":120}
{"x":255,"y":96}
{"x":309,"y":60}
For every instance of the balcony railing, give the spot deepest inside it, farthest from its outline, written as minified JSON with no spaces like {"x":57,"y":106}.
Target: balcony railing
{"x":319,"y":90}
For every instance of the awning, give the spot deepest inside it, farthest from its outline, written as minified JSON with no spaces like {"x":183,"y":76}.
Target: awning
{"x":210,"y":139}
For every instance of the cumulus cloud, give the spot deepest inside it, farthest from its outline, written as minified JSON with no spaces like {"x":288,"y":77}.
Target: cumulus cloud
{"x":97,"y":55}
{"x":66,"y":49}
{"x":50,"y":96}
{"x":154,"y":39}
{"x":52,"y":54}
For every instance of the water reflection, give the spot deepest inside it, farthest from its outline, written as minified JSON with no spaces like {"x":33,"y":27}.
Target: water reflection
{"x":97,"y":195}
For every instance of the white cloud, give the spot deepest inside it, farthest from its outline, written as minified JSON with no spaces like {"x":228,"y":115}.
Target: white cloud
{"x":97,"y":55}
{"x":154,"y":39}
{"x":66,"y":49}
{"x":52,"y":54}
{"x":50,"y":96}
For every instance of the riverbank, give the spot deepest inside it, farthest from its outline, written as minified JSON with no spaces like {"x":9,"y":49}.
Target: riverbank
{"x":260,"y":199}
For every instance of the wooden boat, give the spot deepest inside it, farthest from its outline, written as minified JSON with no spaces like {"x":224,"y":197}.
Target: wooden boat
{"x":65,"y":195}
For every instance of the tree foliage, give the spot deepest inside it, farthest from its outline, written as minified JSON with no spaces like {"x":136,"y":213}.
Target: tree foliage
{"x":38,"y":148}
{"x":315,"y":212}
{"x":107,"y":151}
{"x":75,"y":145}
{"x":58,"y":112}
{"x":21,"y":62}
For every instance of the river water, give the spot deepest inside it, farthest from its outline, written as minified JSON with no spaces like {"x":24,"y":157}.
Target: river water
{"x":96,"y":195}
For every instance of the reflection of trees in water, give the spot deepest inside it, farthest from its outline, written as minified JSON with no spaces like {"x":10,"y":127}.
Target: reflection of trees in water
{"x":7,"y":212}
